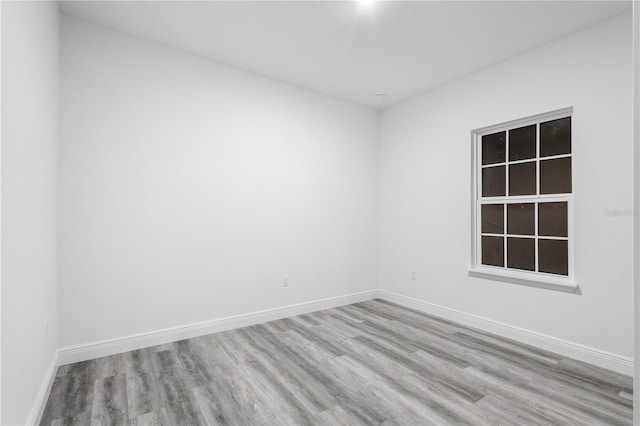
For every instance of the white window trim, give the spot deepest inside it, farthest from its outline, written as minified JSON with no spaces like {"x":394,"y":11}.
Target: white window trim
{"x":531,"y":278}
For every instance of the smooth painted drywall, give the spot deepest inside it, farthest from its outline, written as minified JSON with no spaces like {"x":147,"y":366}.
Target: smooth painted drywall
{"x":29,"y":174}
{"x":189,"y":189}
{"x":425,"y":200}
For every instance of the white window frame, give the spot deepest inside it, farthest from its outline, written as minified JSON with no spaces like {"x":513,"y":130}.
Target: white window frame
{"x":502,"y":273}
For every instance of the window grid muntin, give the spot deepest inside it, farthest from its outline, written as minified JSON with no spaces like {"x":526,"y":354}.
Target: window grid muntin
{"x":505,"y":235}
{"x":535,"y":199}
{"x":506,"y":193}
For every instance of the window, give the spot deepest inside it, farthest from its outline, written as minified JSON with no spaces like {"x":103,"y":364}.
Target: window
{"x":522,"y":198}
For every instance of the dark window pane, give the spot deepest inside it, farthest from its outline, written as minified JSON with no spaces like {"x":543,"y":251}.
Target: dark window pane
{"x":552,"y":219}
{"x":521,"y":219}
{"x":521,"y":253}
{"x":522,"y":143}
{"x":555,"y":137}
{"x":493,"y":218}
{"x":493,"y":181}
{"x":522,"y":179}
{"x":493,"y":251}
{"x":494,"y":148}
{"x":555,"y":176}
{"x":553,"y":256}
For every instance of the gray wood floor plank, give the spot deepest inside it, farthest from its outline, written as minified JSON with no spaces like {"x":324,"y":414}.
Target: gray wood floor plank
{"x":412,"y":343}
{"x":62,"y":370}
{"x":626,"y":395}
{"x":358,"y":401}
{"x":336,"y":415}
{"x":372,"y":362}
{"x":588,"y":374}
{"x":329,"y":341}
{"x":223,"y":402}
{"x":175,"y":392}
{"x":193,"y":364}
{"x":110,"y":401}
{"x":367,"y":308}
{"x":153,"y":418}
{"x":355,"y":317}
{"x":510,"y":353}
{"x":143,"y":384}
{"x":431,"y":401}
{"x":80,"y":419}
{"x":283,"y":398}
{"x":508,"y":412}
{"x":110,"y":365}
{"x":288,"y":377}
{"x":578,"y":405}
{"x":250,"y":387}
{"x":300,"y":370}
{"x":71,"y":393}
{"x":588,"y":370}
{"x":405,"y":360}
{"x":53,"y":407}
{"x":377,"y":384}
{"x":309,"y":319}
{"x":543,"y":384}
{"x":346,"y":327}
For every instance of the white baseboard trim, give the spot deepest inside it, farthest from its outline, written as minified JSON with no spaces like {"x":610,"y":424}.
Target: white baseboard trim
{"x":108,"y":347}
{"x":35,"y":415}
{"x":604,"y":359}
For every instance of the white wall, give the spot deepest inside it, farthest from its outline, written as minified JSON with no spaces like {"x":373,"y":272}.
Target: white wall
{"x":188,"y":189}
{"x":426,"y":174}
{"x":29,"y":160}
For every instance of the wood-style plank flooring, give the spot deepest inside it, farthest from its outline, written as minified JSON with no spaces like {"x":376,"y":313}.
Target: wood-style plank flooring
{"x":367,"y":363}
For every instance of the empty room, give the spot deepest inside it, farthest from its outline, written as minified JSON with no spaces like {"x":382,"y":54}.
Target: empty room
{"x":319,"y":213}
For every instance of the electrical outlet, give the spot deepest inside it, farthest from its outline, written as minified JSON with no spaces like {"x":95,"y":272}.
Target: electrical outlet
{"x":285,"y":281}
{"x":413,"y":275}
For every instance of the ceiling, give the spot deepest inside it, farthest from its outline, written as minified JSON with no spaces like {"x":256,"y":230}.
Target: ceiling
{"x":346,"y":49}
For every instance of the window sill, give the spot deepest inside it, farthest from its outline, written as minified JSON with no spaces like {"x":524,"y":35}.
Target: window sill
{"x":531,"y":279}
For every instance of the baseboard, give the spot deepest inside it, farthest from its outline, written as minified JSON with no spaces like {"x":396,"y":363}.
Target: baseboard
{"x":43,"y":393}
{"x":604,"y":359}
{"x":108,"y":347}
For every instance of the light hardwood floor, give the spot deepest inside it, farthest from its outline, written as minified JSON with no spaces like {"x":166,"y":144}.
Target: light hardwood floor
{"x":368,"y":363}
